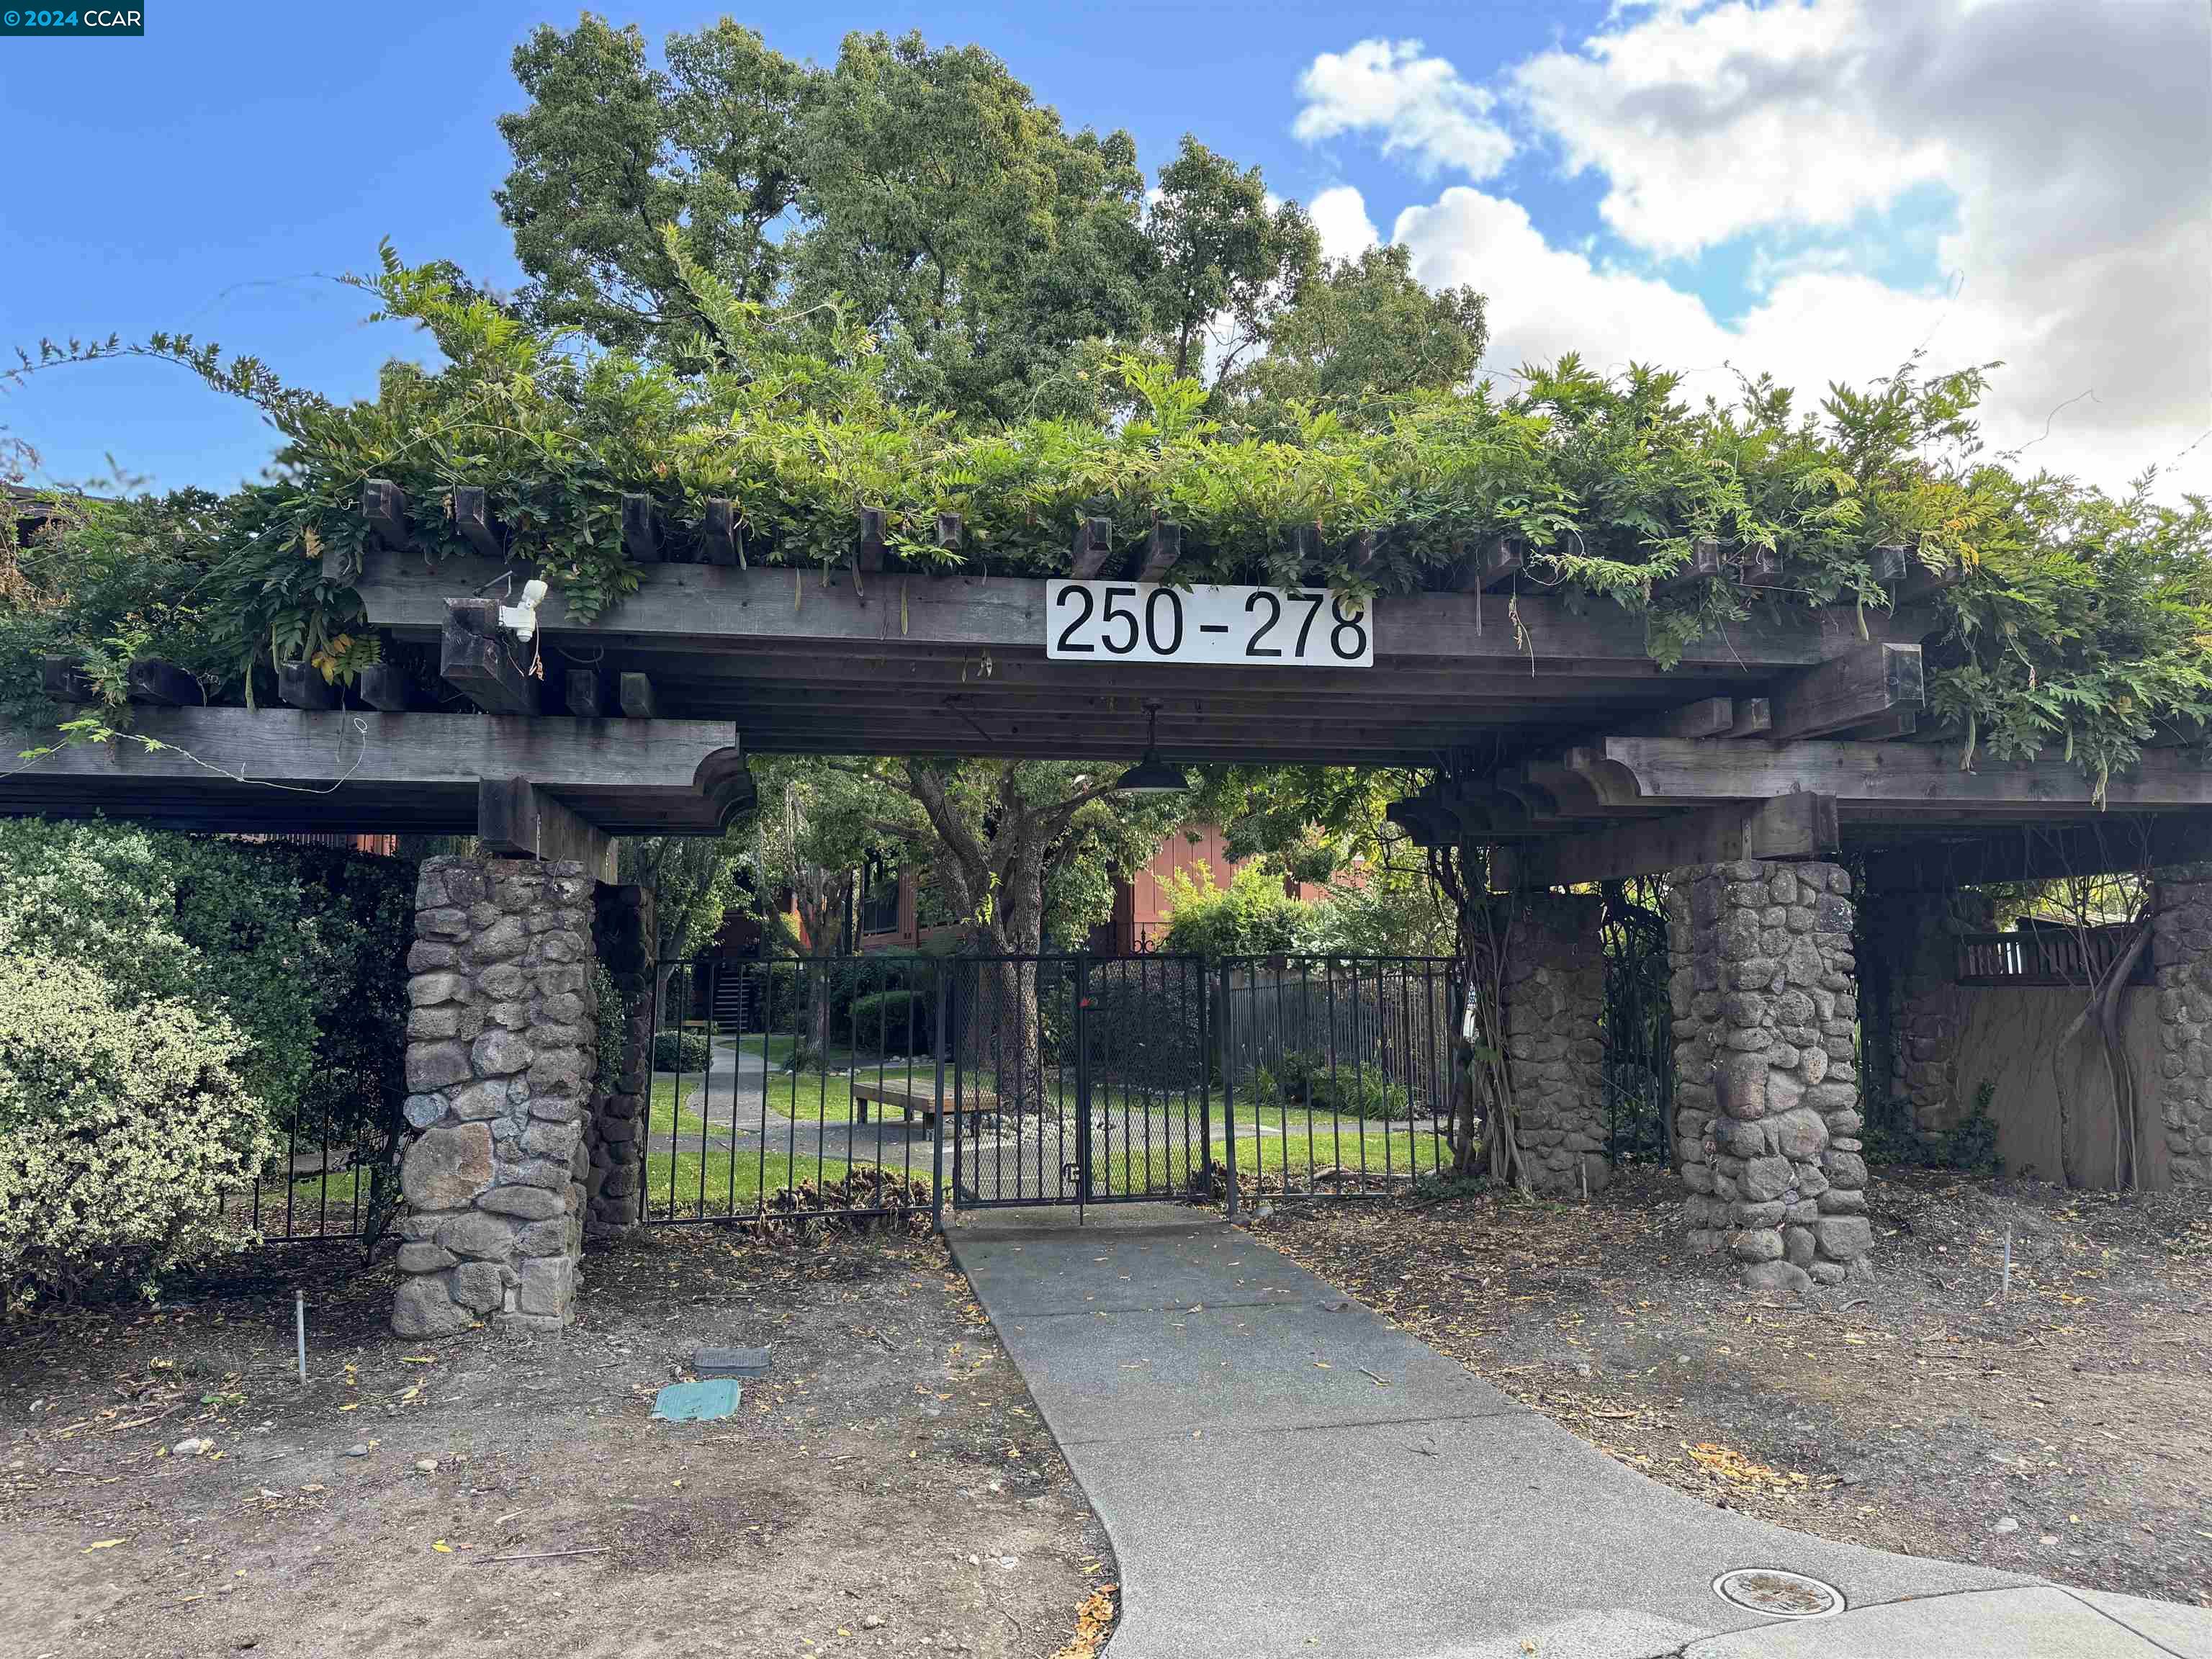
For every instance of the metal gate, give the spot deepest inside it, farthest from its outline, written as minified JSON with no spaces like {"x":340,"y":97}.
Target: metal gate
{"x":880,"y":1086}
{"x":1080,"y":1080}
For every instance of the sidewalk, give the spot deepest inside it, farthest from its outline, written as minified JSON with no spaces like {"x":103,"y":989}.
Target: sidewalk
{"x":1282,"y":1473}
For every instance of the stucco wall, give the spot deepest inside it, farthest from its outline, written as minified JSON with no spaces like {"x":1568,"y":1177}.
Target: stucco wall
{"x":2008,"y":1035}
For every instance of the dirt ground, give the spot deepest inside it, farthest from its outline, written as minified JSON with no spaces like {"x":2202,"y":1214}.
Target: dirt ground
{"x":887,"y":1488}
{"x":2064,"y":1429}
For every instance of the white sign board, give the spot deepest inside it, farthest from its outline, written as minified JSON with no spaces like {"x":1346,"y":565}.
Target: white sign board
{"x":1245,"y":627}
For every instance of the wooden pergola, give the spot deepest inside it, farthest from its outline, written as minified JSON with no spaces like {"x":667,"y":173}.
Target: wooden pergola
{"x":1794,"y":733}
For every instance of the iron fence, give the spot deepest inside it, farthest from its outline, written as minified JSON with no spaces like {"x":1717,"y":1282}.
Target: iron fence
{"x":1336,"y":1071}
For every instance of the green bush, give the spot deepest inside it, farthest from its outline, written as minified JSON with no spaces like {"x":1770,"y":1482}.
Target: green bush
{"x":680,"y":1051}
{"x":893,"y":1022}
{"x":124,"y":1123}
{"x":1299,"y":1079}
{"x":1250,"y":917}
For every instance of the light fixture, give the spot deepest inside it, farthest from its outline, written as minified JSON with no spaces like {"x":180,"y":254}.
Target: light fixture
{"x":523,"y":618}
{"x":1152,"y":776}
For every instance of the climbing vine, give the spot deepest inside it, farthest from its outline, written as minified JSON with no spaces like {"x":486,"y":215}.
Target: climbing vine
{"x":2081,"y":622}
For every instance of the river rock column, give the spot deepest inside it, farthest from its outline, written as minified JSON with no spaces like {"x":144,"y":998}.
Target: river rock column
{"x":1553,"y":1005}
{"x":1916,"y":933}
{"x":1767,"y":1124}
{"x":2181,"y":964}
{"x":500,"y":1055}
{"x":623,"y":934}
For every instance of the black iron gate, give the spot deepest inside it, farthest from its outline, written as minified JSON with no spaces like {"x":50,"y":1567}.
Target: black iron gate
{"x":885,"y":1085}
{"x":1078,"y":1080}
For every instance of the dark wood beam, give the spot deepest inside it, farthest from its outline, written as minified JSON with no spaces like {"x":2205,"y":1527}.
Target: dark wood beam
{"x":1161,"y":549}
{"x":515,"y":816}
{"x":385,"y":686}
{"x":1502,"y":561}
{"x":1754,"y":717}
{"x":1865,"y":684}
{"x":411,"y":771}
{"x":637,"y":699}
{"x":719,"y":534}
{"x":586,"y":692}
{"x":301,"y":685}
{"x":948,"y":529}
{"x":868,"y":554}
{"x":1921,"y":583}
{"x":1760,"y":568}
{"x":1705,"y":562}
{"x":163,"y":684}
{"x":1800,"y":826}
{"x":640,"y":529}
{"x":471,"y":512}
{"x":2113,"y":843}
{"x":1094,"y":545}
{"x":1708,"y":717}
{"x":1887,"y":563}
{"x":1893,"y":775}
{"x":474,"y":658}
{"x":62,"y":681}
{"x":713,"y":610}
{"x":384,"y":504}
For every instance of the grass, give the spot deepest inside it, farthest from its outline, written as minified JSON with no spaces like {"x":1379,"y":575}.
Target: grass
{"x":716,"y":1183}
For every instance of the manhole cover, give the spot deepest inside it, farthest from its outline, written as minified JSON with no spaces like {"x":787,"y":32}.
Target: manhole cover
{"x":1778,"y":1594}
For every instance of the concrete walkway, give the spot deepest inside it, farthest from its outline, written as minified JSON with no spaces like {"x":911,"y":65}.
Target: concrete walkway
{"x":1283,"y":1474}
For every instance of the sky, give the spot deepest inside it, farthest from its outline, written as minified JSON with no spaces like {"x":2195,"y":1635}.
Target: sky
{"x":1814,"y":188}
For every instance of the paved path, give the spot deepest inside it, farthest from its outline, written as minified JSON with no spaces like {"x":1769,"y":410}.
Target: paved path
{"x":1283,"y":1474}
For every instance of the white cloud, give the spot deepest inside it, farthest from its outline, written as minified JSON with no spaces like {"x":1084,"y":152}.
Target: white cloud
{"x":1419,"y":105}
{"x":1340,"y":215}
{"x":2072,"y":141}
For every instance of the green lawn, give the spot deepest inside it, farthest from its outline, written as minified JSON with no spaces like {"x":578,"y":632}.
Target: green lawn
{"x":717,"y":1183}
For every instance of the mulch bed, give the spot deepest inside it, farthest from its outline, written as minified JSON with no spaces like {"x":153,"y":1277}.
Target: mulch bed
{"x":2062,"y":1427}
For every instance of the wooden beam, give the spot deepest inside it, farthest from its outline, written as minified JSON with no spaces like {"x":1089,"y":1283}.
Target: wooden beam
{"x":1359,"y":552}
{"x":712,"y":610}
{"x":1862,"y":685}
{"x":1708,"y":717}
{"x":1921,"y":583}
{"x":1502,"y":561}
{"x":64,"y":681}
{"x":384,"y":506}
{"x":637,"y":699}
{"x":1161,"y":549}
{"x":717,"y":533}
{"x":1798,"y":826}
{"x":385,"y":686}
{"x":1094,"y":543}
{"x":586,"y":692}
{"x":640,"y":529}
{"x":949,"y":531}
{"x":1754,"y":717}
{"x":163,"y":684}
{"x":1887,"y":563}
{"x":2111,"y":843}
{"x":415,"y":771}
{"x":471,"y":512}
{"x":1900,"y":775}
{"x":474,"y":659}
{"x":515,"y":816}
{"x":1704,"y":561}
{"x":301,"y":685}
{"x":1760,"y":568}
{"x":868,"y":552}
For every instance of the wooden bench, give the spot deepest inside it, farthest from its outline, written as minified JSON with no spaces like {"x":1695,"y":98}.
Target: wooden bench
{"x":911,"y":1098}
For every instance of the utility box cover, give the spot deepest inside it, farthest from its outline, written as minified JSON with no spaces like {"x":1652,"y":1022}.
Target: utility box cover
{"x":697,"y":1402}
{"x":730,"y":1362}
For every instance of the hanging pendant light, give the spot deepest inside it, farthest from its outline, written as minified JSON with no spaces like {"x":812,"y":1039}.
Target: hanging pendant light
{"x":1152,"y":776}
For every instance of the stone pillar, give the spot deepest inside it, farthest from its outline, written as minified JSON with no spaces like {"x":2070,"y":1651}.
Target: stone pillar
{"x":1553,"y":1005}
{"x":1923,"y":1014}
{"x":1766,"y":1122}
{"x":2181,"y":963}
{"x":501,"y":1050}
{"x":623,"y":934}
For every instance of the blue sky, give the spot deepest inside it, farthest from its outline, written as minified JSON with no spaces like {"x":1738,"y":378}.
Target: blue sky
{"x":1799,"y":184}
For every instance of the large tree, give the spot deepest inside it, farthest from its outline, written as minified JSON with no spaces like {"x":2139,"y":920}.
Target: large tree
{"x":923,"y":190}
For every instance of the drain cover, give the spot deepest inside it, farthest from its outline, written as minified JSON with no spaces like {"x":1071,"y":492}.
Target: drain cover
{"x":1778,"y":1594}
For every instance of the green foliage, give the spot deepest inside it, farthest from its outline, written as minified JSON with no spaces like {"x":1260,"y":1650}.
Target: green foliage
{"x":124,"y":1123}
{"x":1299,"y":1079}
{"x":680,"y":1051}
{"x":1251,"y":916}
{"x":1968,"y":1146}
{"x":611,"y":1020}
{"x":1382,"y":909}
{"x":897,"y":1022}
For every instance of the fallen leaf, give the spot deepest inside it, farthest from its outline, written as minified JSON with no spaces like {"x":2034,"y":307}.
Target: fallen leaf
{"x":105,"y":1544}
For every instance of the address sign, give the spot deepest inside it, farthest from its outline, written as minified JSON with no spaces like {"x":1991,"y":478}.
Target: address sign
{"x":1250,"y":627}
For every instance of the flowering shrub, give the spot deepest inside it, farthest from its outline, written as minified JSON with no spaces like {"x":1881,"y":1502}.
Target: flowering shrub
{"x":121,"y":1125}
